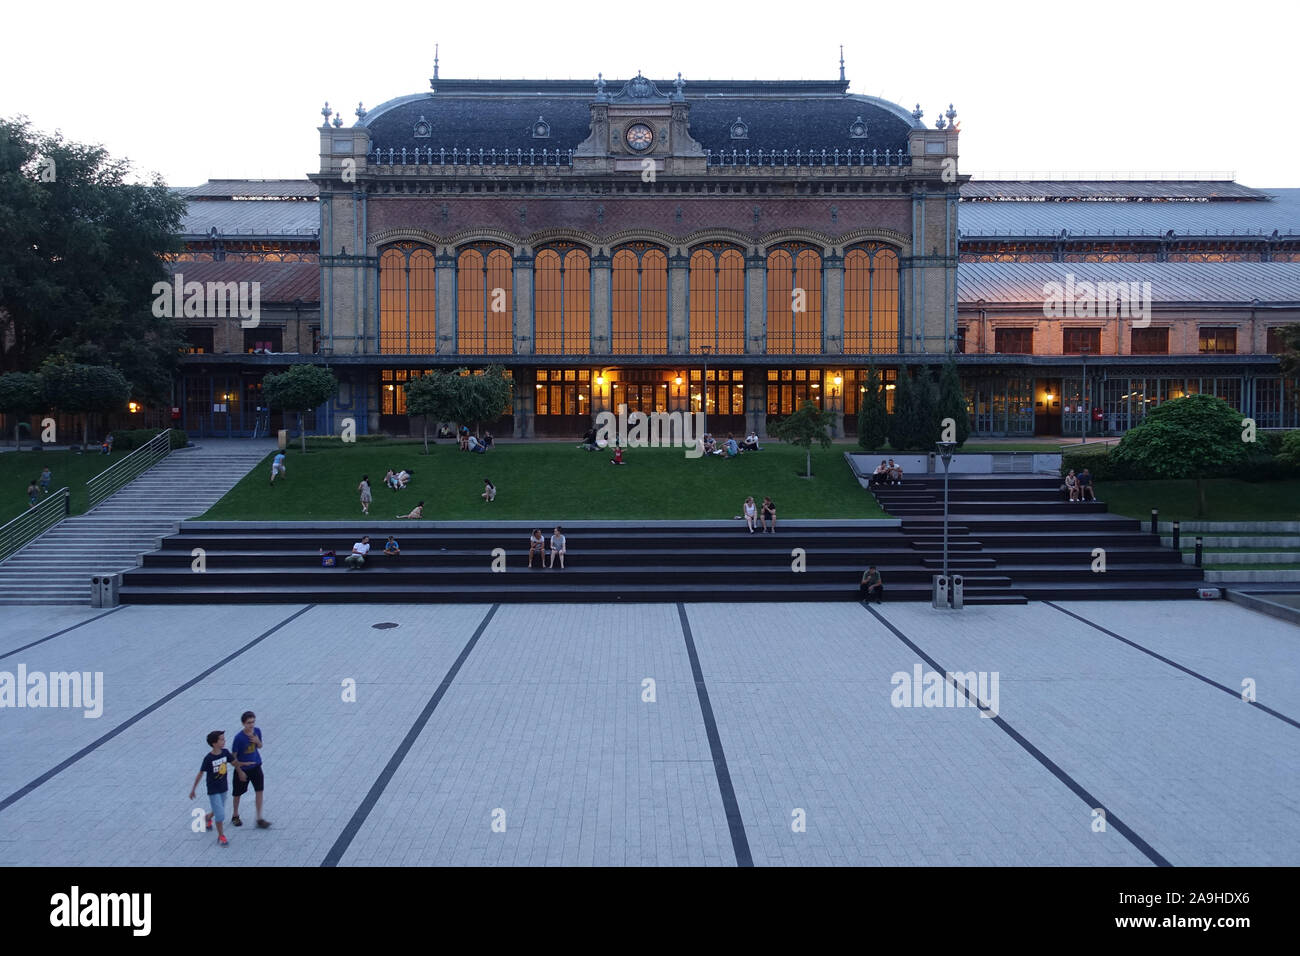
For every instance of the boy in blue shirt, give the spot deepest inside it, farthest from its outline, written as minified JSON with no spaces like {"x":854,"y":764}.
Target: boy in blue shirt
{"x":277,"y":468}
{"x":216,"y":764}
{"x":248,"y":760}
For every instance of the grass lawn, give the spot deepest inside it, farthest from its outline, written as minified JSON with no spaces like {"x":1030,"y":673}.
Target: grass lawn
{"x":547,"y":481}
{"x":1227,"y":499}
{"x":69,"y":469}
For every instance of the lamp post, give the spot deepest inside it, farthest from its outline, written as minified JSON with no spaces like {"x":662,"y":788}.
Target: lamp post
{"x":704,"y":389}
{"x":945,"y":452}
{"x":1087,"y":411}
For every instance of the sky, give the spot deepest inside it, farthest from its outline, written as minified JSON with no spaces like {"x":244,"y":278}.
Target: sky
{"x":234,"y":90}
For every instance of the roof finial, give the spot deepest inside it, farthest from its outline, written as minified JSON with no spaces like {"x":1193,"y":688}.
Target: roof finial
{"x":435,"y":61}
{"x":841,"y":62}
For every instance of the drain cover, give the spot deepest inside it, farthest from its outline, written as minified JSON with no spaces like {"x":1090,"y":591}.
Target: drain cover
{"x":383,"y":625}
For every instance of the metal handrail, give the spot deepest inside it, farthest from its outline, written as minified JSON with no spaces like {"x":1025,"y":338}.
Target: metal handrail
{"x":114,"y":478}
{"x":34,"y":522}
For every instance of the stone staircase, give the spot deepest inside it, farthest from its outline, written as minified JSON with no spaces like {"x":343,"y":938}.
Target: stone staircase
{"x":56,"y":567}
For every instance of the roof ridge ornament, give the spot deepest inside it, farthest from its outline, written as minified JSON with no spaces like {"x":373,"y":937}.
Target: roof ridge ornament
{"x":918,"y":113}
{"x":361,"y":111}
{"x":952,"y":115}
{"x":326,"y":112}
{"x":640,"y":88}
{"x":842,"y":63}
{"x":677,"y":88}
{"x":601,"y":95}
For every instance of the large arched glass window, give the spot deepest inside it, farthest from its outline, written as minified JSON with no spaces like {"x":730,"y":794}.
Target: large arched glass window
{"x":794,"y":299}
{"x":485,"y":300}
{"x":717,"y":313}
{"x":562,"y":301}
{"x":871,"y":299}
{"x":406,"y":300}
{"x":640,"y":290}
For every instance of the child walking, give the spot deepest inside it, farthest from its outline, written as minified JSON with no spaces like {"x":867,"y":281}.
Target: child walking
{"x":364,"y":489}
{"x":216,"y":764}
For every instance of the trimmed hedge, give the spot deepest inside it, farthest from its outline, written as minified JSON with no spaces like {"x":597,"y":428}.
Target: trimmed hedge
{"x":132,"y":438}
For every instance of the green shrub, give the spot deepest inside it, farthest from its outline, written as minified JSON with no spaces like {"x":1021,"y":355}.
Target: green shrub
{"x":132,"y":438}
{"x":1097,"y":459}
{"x":179,"y":439}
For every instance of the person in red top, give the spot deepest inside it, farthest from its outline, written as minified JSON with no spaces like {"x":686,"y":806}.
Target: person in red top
{"x":618,"y":456}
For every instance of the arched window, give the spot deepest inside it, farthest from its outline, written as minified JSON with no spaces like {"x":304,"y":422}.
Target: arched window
{"x":871,"y":299}
{"x":562,"y":301}
{"x":640,"y":287}
{"x":485,"y":300}
{"x":406,"y":300}
{"x":794,"y":299}
{"x":717,"y":313}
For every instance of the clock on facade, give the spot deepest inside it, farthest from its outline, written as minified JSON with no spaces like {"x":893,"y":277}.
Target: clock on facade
{"x":639,"y":137}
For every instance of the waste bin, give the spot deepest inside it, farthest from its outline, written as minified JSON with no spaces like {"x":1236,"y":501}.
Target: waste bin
{"x":958,"y":591}
{"x":940,"y":596}
{"x":104,"y":589}
{"x":283,"y":439}
{"x":96,"y":591}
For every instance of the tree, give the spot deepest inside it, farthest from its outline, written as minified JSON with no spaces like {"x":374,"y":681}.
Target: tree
{"x":20,"y":394}
{"x":805,"y":426}
{"x":300,"y":389}
{"x":925,"y":428}
{"x":1289,"y":354}
{"x":80,"y":250}
{"x":873,"y":418}
{"x":432,"y":396}
{"x":78,"y":388}
{"x":484,"y":397}
{"x":1198,"y":437}
{"x":952,"y":402}
{"x":1289,"y":453}
{"x":901,"y":421}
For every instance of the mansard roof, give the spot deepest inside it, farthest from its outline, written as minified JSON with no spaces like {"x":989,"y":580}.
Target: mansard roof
{"x":503,"y":114}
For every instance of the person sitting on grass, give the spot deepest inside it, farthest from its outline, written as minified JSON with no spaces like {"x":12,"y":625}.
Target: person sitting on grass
{"x":416,"y":513}
{"x":732,"y":449}
{"x":404,"y":478}
{"x":488,"y":441}
{"x":464,"y":438}
{"x":477,"y":446}
{"x":588,"y":442}
{"x":357,"y":559}
{"x":489,"y":490}
{"x":390,"y":480}
{"x":751,"y":442}
{"x":537,"y":546}
{"x":710,"y":446}
{"x":391,"y":547}
{"x":618,"y":456}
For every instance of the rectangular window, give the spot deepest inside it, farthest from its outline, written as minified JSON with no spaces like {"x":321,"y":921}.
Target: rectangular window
{"x":263,"y":340}
{"x":1078,"y":341}
{"x":198,"y":341}
{"x":1149,"y":342}
{"x":1274,"y":345}
{"x":1218,"y":339}
{"x":1013,"y":341}
{"x":315,"y":340}
{"x":563,"y":391}
{"x":961,"y":340}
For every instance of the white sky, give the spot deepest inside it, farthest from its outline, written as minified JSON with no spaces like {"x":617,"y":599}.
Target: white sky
{"x":199,"y":90}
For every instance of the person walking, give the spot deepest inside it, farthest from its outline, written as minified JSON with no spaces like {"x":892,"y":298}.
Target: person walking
{"x":216,"y":765}
{"x":364,"y":489}
{"x":32,"y":493}
{"x":46,"y":478}
{"x":277,"y":468}
{"x":751,"y":513}
{"x":248,"y":763}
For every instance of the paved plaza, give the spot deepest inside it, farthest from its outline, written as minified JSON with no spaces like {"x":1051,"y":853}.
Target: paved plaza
{"x":664,"y":734}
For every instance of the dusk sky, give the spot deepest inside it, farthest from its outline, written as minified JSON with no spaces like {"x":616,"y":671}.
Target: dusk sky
{"x":198,"y":91}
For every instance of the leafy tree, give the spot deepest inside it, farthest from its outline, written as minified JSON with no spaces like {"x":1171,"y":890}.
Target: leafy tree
{"x":80,"y":251}
{"x":1289,"y":355}
{"x":1290,"y":450}
{"x":873,"y":419}
{"x":904,"y":415}
{"x":925,"y":428}
{"x":432,"y":396}
{"x":20,"y":394}
{"x":85,"y":389}
{"x":952,"y":402}
{"x":1198,"y":437}
{"x":805,"y":426}
{"x":483,"y":398}
{"x":300,"y":389}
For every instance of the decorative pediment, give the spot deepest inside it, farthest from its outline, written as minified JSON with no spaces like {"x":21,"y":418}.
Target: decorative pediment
{"x":639,"y":89}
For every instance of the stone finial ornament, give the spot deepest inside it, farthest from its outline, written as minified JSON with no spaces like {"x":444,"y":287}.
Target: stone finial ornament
{"x":918,"y":113}
{"x":361,"y":111}
{"x":326,"y":112}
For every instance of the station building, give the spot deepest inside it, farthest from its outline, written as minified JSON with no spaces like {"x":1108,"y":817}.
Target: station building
{"x":738,"y":246}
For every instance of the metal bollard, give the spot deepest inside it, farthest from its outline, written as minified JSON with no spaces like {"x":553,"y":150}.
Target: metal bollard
{"x":1155,"y":529}
{"x":1177,"y":538}
{"x":958,"y":591}
{"x":1198,"y":551}
{"x":96,"y":592}
{"x":939,"y":598}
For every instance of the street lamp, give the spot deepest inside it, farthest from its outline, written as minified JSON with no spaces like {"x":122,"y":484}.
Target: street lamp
{"x":704,"y":404}
{"x":1087,"y":412}
{"x":945,"y":452}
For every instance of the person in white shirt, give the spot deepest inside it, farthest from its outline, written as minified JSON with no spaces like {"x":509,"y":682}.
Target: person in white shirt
{"x":751,"y":442}
{"x":357,"y":558}
{"x":751,"y":513}
{"x":557,"y":547}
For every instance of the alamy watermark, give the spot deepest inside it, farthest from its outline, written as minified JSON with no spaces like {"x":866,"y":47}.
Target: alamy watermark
{"x":73,"y":689}
{"x":211,"y":300}
{"x":950,"y":689}
{"x":652,"y":430}
{"x":1087,"y":300}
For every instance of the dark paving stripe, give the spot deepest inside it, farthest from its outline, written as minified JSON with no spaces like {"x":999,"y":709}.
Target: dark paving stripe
{"x":739,"y":841}
{"x":377,"y":789}
{"x":1186,"y":670}
{"x":42,"y":640}
{"x":90,"y":748}
{"x":1112,"y":820}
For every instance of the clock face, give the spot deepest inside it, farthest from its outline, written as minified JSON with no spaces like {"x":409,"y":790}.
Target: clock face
{"x":639,"y":137}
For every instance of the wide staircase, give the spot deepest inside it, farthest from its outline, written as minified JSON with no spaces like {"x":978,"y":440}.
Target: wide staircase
{"x":1019,"y":528}
{"x":56,"y":567}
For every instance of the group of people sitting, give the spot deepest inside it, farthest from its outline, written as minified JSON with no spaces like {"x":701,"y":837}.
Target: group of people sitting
{"x":760,"y":518}
{"x":537,"y":546}
{"x":397,"y":480}
{"x":361,"y":551}
{"x":1079,"y":487}
{"x":889,"y":473}
{"x":469,"y":442}
{"x":729,"y":448}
